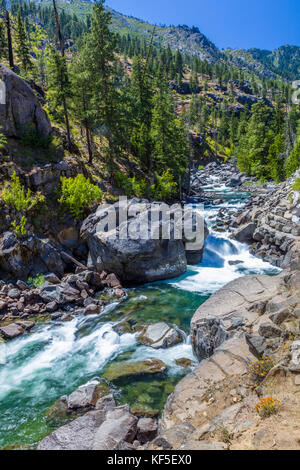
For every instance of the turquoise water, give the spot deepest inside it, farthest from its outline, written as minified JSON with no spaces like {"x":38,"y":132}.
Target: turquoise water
{"x":54,"y":359}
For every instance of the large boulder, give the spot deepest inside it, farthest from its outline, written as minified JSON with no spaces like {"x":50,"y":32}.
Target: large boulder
{"x":145,"y":255}
{"x":20,"y":107}
{"x":21,"y":258}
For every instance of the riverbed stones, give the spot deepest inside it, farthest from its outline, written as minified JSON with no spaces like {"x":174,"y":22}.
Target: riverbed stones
{"x":125,"y":370}
{"x":92,"y":309}
{"x":160,"y":335}
{"x":61,"y":293}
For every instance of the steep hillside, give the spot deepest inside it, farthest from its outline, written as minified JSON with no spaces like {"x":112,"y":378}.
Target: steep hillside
{"x":284,"y":61}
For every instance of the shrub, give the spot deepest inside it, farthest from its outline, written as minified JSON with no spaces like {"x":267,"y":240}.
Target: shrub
{"x":165,"y":188}
{"x":259,"y":369}
{"x":268,"y":406}
{"x":20,"y":229}
{"x":16,"y":196}
{"x":296,"y":185}
{"x":36,"y":281}
{"x":77,"y":194}
{"x":3,"y":140}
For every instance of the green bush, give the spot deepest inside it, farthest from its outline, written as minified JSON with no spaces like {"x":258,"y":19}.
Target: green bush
{"x":20,"y":229}
{"x":36,"y":281}
{"x":77,"y":194}
{"x":165,"y":187}
{"x":3,"y":140}
{"x":296,"y":186}
{"x":15,"y":195}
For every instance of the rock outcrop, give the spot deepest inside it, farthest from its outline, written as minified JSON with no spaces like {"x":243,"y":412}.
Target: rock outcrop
{"x":21,"y":109}
{"x":217,"y":400}
{"x":21,"y":258}
{"x":236,"y":306}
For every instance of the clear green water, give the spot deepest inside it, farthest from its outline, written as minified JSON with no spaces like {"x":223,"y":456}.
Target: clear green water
{"x":54,"y":359}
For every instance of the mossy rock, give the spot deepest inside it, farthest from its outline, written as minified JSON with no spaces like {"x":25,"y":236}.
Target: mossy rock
{"x":184,"y":362}
{"x":124,"y":370}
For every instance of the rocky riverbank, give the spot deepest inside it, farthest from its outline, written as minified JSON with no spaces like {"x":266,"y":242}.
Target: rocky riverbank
{"x":247,"y":321}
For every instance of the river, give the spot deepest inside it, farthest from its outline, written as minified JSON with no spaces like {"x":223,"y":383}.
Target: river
{"x":55,"y":358}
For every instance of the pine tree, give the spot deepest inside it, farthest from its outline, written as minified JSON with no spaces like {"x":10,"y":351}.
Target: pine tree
{"x":59,"y":88}
{"x":22,"y":46}
{"x":170,"y":143}
{"x":101,"y":63}
{"x":142,"y":93}
{"x":82,"y":88}
{"x":3,"y":41}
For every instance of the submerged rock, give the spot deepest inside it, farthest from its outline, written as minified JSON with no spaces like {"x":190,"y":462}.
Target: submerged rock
{"x":122,"y":370}
{"x":160,"y":335}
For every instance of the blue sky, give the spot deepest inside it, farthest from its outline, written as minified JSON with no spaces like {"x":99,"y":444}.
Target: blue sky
{"x":266,"y":24}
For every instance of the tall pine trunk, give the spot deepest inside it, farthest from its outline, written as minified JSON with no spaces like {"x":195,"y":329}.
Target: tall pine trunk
{"x":62,"y":50}
{"x":9,"y":42}
{"x":58,"y":30}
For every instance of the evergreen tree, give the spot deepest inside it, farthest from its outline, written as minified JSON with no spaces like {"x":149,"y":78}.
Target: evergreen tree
{"x":3,"y":41}
{"x":59,"y":89}
{"x":142,"y":93}
{"x":253,"y":149}
{"x":101,"y":64}
{"x":22,"y":46}
{"x":170,"y":143}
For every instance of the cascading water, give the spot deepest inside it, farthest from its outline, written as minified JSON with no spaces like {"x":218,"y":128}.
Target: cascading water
{"x":55,"y":358}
